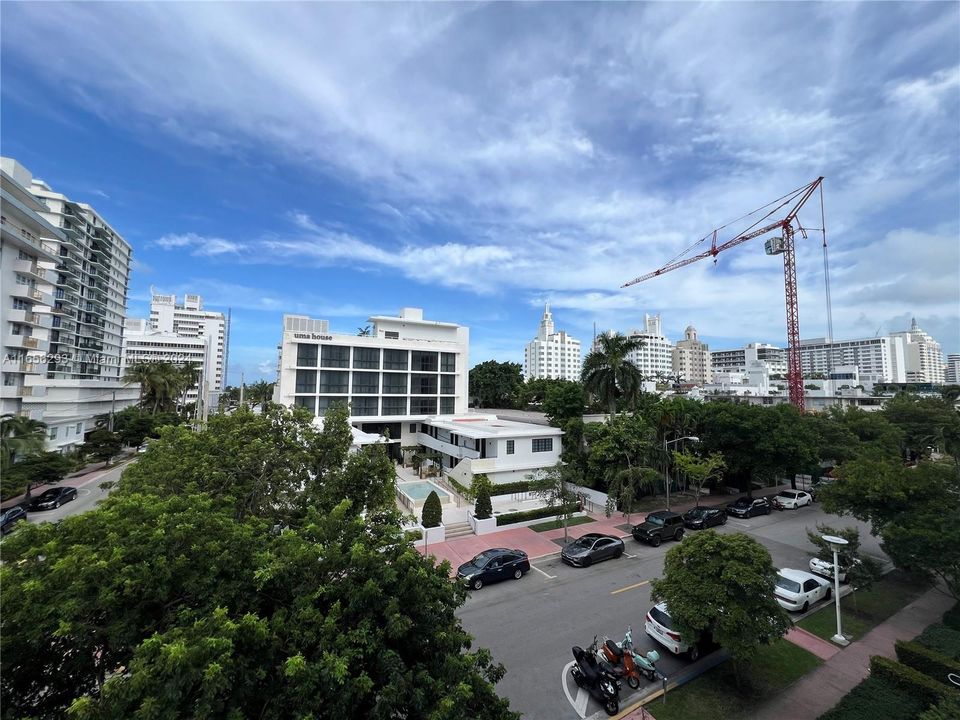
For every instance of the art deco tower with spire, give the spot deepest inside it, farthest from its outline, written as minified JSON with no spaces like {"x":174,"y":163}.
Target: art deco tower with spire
{"x":551,"y":354}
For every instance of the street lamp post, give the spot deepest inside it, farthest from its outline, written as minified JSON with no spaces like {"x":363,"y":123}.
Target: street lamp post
{"x":693,"y":438}
{"x":835,"y":544}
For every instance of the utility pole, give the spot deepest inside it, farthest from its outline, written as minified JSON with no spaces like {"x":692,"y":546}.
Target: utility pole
{"x":241,"y":387}
{"x":113,"y":405}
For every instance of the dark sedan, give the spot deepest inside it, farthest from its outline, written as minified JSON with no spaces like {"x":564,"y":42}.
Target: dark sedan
{"x":701,"y":517}
{"x":591,"y":548}
{"x":493,"y":565}
{"x":748,"y":507}
{"x":10,"y":517}
{"x":53,"y":498}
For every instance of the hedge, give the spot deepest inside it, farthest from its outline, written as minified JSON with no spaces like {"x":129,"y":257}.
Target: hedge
{"x":951,"y":618}
{"x":929,"y":662}
{"x":518,"y":486}
{"x":874,"y":699}
{"x":927,"y":690}
{"x":544,"y":512}
{"x":942,"y":639}
{"x":462,"y":489}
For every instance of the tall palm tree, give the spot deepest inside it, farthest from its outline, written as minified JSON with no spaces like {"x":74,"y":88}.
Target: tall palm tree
{"x":260,"y":393}
{"x":608,"y":373}
{"x":20,"y":436}
{"x":165,"y":382}
{"x":139,"y":373}
{"x":189,"y":375}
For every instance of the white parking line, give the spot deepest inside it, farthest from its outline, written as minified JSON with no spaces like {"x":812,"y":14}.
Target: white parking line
{"x":629,"y":555}
{"x":741,"y":524}
{"x":583,"y":697}
{"x":552,"y":577}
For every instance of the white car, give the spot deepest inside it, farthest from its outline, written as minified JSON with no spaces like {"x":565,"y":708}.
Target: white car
{"x":825,"y":568}
{"x":660,"y":628}
{"x":797,"y":590}
{"x":791,"y":499}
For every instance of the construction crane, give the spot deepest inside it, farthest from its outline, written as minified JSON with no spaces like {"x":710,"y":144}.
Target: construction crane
{"x":788,"y":226}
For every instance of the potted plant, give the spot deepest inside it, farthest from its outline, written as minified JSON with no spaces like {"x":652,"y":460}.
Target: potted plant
{"x":431,"y":520}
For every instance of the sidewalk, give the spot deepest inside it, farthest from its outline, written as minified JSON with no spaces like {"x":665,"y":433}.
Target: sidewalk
{"x":541,"y":544}
{"x":75,"y":480}
{"x":815,"y":693}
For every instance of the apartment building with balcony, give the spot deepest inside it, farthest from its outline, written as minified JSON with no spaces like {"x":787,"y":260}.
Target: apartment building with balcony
{"x":70,"y":284}
{"x":773,"y":358}
{"x":923,"y":356}
{"x":878,"y":359}
{"x":190,"y":320}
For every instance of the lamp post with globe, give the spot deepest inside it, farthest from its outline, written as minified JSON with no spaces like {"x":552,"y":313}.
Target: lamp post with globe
{"x":836,"y":543}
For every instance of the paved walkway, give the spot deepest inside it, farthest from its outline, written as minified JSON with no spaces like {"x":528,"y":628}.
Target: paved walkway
{"x":818,"y":691}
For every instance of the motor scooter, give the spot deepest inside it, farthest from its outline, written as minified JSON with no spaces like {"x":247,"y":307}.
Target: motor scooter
{"x":597,"y":678}
{"x":624,"y":655}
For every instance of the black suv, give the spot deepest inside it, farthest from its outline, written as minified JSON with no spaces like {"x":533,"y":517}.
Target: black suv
{"x":659,"y":526}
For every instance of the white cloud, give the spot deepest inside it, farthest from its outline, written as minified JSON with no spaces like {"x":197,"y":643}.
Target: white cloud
{"x":199,"y":245}
{"x":926,"y":94}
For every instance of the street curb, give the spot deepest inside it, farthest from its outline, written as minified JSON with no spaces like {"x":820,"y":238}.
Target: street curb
{"x":104,"y":471}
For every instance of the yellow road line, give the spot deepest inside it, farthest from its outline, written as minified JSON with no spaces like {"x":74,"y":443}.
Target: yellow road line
{"x":630,"y":587}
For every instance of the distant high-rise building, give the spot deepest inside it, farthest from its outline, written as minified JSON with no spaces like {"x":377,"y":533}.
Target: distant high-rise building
{"x":923,"y":356}
{"x":952,"y":372}
{"x":773,"y":358}
{"x":880,"y":358}
{"x":655,"y":357}
{"x":552,"y":354}
{"x":691,"y":359}
{"x":68,"y":278}
{"x":190,"y":320}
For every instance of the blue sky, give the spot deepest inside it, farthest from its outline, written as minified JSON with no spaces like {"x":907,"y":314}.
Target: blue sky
{"x":476,"y":160}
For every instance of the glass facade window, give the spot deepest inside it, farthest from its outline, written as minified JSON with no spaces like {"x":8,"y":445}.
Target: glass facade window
{"x":306,"y":381}
{"x":542,"y":444}
{"x":364,"y":406}
{"x":423,"y":361}
{"x":333,"y":381}
{"x":448,"y":362}
{"x":307,"y":355}
{"x":423,"y":384}
{"x":335,"y":356}
{"x":448,"y":384}
{"x":394,"y":406}
{"x":394,"y":384}
{"x":325,"y":403}
{"x":366,"y":358}
{"x":423,"y":406}
{"x":395,"y":359}
{"x":366,"y":383}
{"x":447,"y":406}
{"x":310,"y":403}
{"x":511,"y":447}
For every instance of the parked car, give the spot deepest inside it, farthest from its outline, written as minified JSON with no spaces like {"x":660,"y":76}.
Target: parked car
{"x":53,"y":498}
{"x":798,"y":590}
{"x":659,"y":626}
{"x":659,"y":526}
{"x":748,"y":507}
{"x":493,"y":565}
{"x":701,"y":517}
{"x":819,"y":484}
{"x":791,"y":499}
{"x":825,"y":568}
{"x":10,"y":517}
{"x":591,"y":548}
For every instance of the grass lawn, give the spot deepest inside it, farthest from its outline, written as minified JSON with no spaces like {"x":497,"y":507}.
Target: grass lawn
{"x":714,"y":696}
{"x":554,"y":524}
{"x":863,"y":610}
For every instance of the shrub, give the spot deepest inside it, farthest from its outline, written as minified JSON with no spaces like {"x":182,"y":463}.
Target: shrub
{"x":460,"y":488}
{"x":483,"y":509}
{"x":516,"y":517}
{"x":951,"y":618}
{"x":930,"y":662}
{"x":874,"y":699}
{"x":432,"y":514}
{"x":519,"y":486}
{"x":942,"y":639}
{"x":927,"y":690}
{"x":948,"y":709}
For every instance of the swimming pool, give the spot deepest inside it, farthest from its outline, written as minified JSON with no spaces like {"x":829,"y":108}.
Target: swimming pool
{"x":418,"y":491}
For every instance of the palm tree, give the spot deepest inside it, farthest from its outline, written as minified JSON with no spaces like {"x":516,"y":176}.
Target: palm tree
{"x":20,"y":436}
{"x":609,"y":374}
{"x":139,"y":373}
{"x":189,"y":375}
{"x":165,"y":382}
{"x":260,"y":393}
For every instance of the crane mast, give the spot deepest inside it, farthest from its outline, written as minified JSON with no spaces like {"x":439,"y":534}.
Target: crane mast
{"x":784,"y":245}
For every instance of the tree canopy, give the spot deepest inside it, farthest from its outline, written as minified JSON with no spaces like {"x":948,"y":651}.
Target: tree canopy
{"x":609,"y":374}
{"x":255,"y":568}
{"x":496,"y":384}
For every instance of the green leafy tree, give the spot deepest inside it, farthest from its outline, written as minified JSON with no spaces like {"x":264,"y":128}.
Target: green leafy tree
{"x":139,"y":374}
{"x":564,"y":401}
{"x":861,"y":570}
{"x":924,"y":421}
{"x":627,"y":486}
{"x":102,"y":445}
{"x":432,"y":514}
{"x":550,"y":486}
{"x":260,"y":393}
{"x":20,"y":436}
{"x":496,"y":384}
{"x":622,"y":443}
{"x":722,"y":586}
{"x":699,"y":470}
{"x":43,"y":469}
{"x":483,"y":508}
{"x":609,"y":375}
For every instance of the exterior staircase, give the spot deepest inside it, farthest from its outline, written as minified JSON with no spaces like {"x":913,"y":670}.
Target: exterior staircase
{"x":455,"y":530}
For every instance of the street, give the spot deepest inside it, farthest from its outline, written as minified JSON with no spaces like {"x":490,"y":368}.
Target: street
{"x":88,"y":495}
{"x":531,"y":625}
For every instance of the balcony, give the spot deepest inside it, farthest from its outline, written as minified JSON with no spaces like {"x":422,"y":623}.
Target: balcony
{"x":27,"y":342}
{"x":29,"y":267}
{"x":33,"y":390}
{"x":29,"y":318}
{"x":69,"y":298}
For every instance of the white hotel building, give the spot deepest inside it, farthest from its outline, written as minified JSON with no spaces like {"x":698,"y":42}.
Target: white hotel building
{"x":878,"y":359}
{"x":552,"y":354}
{"x":655,"y":358}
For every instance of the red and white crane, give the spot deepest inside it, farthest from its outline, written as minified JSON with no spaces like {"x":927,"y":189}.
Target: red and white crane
{"x":788,"y":225}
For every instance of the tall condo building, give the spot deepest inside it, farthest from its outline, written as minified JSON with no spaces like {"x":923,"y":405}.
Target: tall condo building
{"x":771,"y":357}
{"x":691,"y":359}
{"x":880,"y":359}
{"x":952,"y":371}
{"x":404,"y":371}
{"x":190,"y":320}
{"x":655,"y":358}
{"x":551,"y":354}
{"x":76,"y":268}
{"x":923,"y":356}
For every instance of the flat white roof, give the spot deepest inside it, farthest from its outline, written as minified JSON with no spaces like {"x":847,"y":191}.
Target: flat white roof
{"x":475,"y":425}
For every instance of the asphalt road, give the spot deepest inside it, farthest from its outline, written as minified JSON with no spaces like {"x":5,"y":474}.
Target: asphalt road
{"x":88,"y":497}
{"x":530,"y":625}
